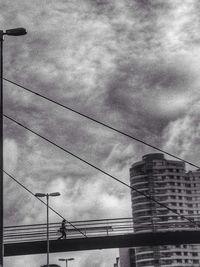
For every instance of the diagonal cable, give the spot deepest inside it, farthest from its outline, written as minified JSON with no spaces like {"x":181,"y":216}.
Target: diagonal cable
{"x":103,"y":124}
{"x":102,"y":171}
{"x":28,"y":190}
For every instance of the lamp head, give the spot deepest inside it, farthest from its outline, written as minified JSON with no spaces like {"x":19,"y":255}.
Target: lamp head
{"x":69,"y":259}
{"x":54,"y":194}
{"x":16,"y":32}
{"x":40,"y":195}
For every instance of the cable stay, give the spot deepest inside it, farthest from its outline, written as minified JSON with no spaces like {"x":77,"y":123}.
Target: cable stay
{"x":102,"y":171}
{"x":103,"y":124}
{"x":28,"y":190}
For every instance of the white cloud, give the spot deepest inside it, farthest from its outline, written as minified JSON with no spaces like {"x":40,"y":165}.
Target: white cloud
{"x":131,"y":64}
{"x":11,"y":155}
{"x":181,"y":137}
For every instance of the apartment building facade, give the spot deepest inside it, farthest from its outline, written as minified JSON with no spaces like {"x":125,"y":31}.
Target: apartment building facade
{"x":167,"y":182}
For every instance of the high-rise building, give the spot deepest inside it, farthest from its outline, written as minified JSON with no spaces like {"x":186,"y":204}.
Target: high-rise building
{"x":127,"y":257}
{"x":167,"y":182}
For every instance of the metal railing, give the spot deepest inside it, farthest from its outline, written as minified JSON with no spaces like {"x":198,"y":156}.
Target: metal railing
{"x":91,"y":228}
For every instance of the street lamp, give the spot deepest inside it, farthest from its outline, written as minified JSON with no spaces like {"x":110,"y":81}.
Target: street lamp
{"x":51,"y":265}
{"x":47,"y":197}
{"x":12,"y":32}
{"x":66,"y":260}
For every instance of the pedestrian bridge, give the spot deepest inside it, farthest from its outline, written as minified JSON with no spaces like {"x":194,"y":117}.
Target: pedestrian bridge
{"x":94,"y":234}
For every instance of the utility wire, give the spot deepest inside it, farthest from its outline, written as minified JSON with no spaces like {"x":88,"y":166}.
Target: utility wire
{"x":41,"y":201}
{"x":102,"y":171}
{"x":103,"y":124}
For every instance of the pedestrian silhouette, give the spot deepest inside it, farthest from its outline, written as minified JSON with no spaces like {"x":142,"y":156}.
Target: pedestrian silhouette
{"x":63,"y":230}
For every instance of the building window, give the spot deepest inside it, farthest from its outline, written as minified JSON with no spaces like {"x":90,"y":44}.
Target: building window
{"x":194,"y":254}
{"x":173,"y":203}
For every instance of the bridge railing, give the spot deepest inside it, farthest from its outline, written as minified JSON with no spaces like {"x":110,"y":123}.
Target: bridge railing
{"x":36,"y":232}
{"x":91,"y":228}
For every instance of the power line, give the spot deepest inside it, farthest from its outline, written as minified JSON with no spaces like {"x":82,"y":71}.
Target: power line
{"x":103,"y":124}
{"x":102,"y":171}
{"x":41,"y":201}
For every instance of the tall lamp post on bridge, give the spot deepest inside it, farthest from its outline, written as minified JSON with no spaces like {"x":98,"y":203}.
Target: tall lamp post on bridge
{"x":47,"y":195}
{"x":12,"y":32}
{"x":66,"y":260}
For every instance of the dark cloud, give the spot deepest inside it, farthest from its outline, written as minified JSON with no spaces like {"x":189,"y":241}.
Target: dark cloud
{"x":170,"y":76}
{"x":131,"y":64}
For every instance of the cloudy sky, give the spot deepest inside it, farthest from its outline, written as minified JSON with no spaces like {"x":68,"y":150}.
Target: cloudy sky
{"x":133,"y":64}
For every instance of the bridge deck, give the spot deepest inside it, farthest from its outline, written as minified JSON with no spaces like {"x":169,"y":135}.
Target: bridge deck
{"x":104,"y":242}
{"x":101,"y":234}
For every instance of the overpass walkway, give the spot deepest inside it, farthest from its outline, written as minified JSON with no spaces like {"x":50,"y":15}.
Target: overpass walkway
{"x":101,"y":234}
{"x":91,"y":228}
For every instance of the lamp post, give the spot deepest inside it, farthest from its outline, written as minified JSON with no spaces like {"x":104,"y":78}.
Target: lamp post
{"x":66,"y":260}
{"x":12,"y":32}
{"x":47,"y":197}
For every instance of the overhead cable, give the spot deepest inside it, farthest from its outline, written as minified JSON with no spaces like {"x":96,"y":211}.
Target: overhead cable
{"x":103,"y":124}
{"x":28,"y":190}
{"x":102,"y":171}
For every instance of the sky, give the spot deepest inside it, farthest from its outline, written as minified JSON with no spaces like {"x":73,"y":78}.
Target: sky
{"x":132,"y":64}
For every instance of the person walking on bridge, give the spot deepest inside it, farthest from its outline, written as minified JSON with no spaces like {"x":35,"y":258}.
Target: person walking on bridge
{"x":63,"y":230}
